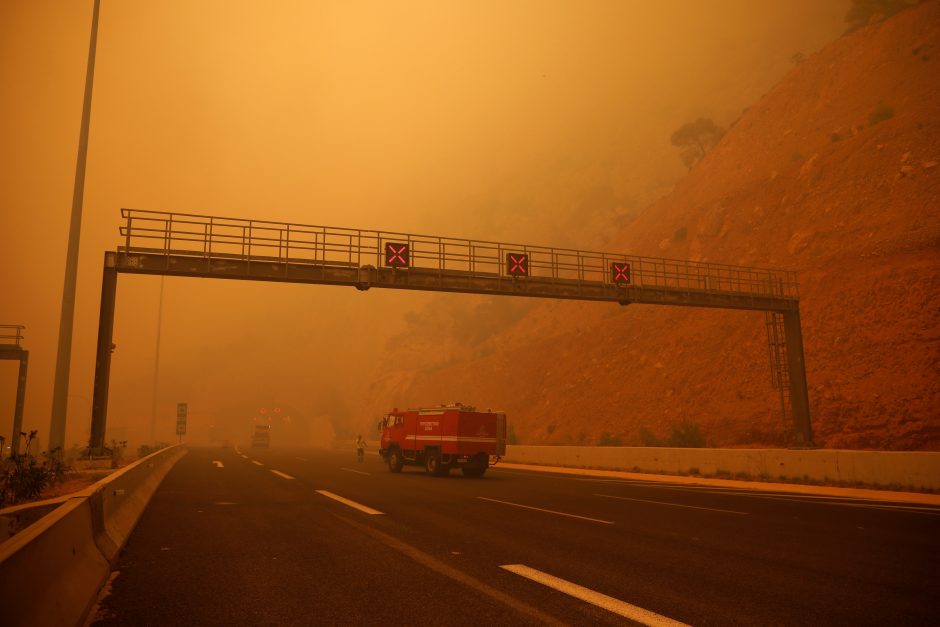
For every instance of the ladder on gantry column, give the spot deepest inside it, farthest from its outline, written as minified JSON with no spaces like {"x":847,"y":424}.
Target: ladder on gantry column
{"x":780,"y":370}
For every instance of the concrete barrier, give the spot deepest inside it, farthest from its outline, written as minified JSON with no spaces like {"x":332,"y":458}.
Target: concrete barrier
{"x":51,"y":572}
{"x":894,"y":469}
{"x":125,"y":494}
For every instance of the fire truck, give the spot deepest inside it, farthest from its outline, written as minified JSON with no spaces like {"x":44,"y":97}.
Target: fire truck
{"x":443,"y":437}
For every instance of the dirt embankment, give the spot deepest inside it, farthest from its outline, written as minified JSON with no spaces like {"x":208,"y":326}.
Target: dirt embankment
{"x":833,"y":173}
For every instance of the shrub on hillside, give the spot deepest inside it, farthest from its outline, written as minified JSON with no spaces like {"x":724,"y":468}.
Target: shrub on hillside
{"x":881,"y":113}
{"x":685,"y":434}
{"x":696,"y":139}
{"x":648,"y":438}
{"x":863,"y":12}
{"x":609,"y":440}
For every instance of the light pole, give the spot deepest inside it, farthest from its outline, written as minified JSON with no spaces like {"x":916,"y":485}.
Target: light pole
{"x":60,"y":390}
{"x":156,"y":367}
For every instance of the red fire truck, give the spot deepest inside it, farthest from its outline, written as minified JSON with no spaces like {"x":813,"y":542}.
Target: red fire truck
{"x":443,"y":437}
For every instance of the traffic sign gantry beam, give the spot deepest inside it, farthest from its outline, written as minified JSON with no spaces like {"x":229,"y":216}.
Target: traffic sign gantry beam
{"x":228,"y":248}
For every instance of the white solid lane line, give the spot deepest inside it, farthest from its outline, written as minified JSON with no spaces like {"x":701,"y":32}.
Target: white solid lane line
{"x":710,"y":509}
{"x":281,"y":474}
{"x":835,"y":501}
{"x":256,"y":463}
{"x":353,"y":504}
{"x":622,"y":608}
{"x":218,"y":464}
{"x":356,"y":471}
{"x":547,"y":511}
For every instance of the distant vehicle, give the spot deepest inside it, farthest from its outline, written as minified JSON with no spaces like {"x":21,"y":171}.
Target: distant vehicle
{"x":443,"y":437}
{"x":261,"y":438}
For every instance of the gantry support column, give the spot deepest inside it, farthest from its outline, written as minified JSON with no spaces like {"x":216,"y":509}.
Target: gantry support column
{"x":20,"y":402}
{"x":11,"y":351}
{"x":99,"y":405}
{"x":799,"y":395}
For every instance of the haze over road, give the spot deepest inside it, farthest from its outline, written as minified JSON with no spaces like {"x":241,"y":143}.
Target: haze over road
{"x":312,"y":537}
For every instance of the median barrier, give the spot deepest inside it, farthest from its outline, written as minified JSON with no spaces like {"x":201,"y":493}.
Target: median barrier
{"x":125,"y":494}
{"x":895,"y":469}
{"x":51,"y":571}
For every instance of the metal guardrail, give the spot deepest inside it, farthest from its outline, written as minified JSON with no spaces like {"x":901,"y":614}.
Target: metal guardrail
{"x":284,"y":242}
{"x":11,"y":333}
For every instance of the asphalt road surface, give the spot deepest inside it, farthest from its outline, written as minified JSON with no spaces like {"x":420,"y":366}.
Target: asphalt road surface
{"x":311,"y":537}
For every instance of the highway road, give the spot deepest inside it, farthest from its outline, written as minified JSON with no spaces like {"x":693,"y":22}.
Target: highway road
{"x":311,"y":537}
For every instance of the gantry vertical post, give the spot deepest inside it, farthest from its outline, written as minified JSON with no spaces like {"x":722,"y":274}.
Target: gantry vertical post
{"x":20,"y":401}
{"x":99,"y":405}
{"x":799,"y":396}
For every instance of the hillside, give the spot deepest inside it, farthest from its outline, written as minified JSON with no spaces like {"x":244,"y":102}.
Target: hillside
{"x":833,"y":173}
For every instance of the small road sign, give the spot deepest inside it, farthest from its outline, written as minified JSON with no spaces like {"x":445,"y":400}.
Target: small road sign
{"x":517,"y":264}
{"x":397,"y":255}
{"x":181,"y":412}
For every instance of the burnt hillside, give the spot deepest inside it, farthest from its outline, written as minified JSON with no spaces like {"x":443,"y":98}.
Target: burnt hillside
{"x":833,"y":173}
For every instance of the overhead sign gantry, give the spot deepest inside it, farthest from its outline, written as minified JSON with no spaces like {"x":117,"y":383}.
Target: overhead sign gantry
{"x":193,"y":245}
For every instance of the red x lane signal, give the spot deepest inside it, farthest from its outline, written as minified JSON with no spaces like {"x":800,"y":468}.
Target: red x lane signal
{"x":620,"y":273}
{"x":396,"y":255}
{"x":517,"y":264}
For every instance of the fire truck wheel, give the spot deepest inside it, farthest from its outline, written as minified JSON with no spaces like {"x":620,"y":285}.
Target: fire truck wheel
{"x":432,"y":463}
{"x":395,"y":462}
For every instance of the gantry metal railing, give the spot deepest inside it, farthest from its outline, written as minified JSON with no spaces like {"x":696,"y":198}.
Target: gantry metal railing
{"x":212,"y":237}
{"x":11,"y":334}
{"x":185,"y":244}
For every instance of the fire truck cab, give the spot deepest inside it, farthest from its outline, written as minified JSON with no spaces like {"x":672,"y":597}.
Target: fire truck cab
{"x":443,"y":437}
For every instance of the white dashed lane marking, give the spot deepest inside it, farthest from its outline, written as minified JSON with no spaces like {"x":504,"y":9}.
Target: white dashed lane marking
{"x":358,"y":472}
{"x":281,"y":474}
{"x":622,"y":608}
{"x":710,"y":509}
{"x":353,"y":504}
{"x":547,"y":511}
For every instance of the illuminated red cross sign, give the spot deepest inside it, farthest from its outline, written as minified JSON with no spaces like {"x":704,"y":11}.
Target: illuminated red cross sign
{"x":396,"y":255}
{"x":620,"y":273}
{"x":517,"y":264}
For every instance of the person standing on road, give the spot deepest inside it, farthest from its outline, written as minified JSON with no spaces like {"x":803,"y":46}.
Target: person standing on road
{"x":360,"y":447}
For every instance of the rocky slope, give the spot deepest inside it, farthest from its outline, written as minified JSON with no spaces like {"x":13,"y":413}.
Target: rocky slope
{"x":833,"y":173}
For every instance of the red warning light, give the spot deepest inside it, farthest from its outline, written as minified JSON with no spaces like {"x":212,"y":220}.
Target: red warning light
{"x":517,"y":264}
{"x":620,"y":273}
{"x":397,"y":255}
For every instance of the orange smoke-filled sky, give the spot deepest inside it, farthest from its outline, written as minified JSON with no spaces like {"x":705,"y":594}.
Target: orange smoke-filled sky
{"x":503,"y":120}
